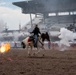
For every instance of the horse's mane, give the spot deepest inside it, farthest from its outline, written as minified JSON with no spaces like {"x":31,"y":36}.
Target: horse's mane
{"x":42,"y":35}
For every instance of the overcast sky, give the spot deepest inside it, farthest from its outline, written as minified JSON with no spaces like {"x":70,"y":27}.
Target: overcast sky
{"x":12,"y":15}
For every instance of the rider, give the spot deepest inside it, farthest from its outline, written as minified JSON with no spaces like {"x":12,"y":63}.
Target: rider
{"x":36,"y":32}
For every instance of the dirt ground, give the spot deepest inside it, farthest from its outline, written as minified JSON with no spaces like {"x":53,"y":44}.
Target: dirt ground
{"x":54,"y":62}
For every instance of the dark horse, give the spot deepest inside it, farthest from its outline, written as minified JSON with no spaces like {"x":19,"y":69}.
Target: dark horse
{"x":45,"y":36}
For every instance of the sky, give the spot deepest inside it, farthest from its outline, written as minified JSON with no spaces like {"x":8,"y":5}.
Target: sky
{"x":11,"y":15}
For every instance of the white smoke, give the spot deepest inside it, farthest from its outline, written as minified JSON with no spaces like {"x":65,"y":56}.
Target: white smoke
{"x":66,"y":37}
{"x":17,"y":34}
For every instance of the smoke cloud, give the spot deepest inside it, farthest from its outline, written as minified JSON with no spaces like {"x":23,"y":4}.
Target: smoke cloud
{"x":66,"y":37}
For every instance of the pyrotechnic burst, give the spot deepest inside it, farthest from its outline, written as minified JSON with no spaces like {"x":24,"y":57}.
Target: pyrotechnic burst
{"x":5,"y":47}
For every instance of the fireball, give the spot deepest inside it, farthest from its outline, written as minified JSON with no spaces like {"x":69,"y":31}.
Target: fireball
{"x":5,"y":47}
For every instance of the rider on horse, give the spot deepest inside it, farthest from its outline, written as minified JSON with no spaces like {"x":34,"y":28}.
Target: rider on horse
{"x":36,"y":32}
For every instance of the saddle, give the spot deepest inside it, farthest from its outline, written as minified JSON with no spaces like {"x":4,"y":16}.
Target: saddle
{"x":31,"y":38}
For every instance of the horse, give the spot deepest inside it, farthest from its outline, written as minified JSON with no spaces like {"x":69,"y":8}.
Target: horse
{"x":45,"y":36}
{"x":28,"y":42}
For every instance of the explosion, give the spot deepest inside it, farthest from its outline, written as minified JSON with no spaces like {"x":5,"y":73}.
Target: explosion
{"x":5,"y":47}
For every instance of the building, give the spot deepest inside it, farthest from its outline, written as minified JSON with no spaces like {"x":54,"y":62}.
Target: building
{"x":50,"y":12}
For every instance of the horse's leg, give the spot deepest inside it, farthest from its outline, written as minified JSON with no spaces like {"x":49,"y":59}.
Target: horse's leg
{"x":42,"y":44}
{"x":31,"y":45}
{"x":37,"y":51}
{"x":28,"y":49}
{"x":43,"y":48}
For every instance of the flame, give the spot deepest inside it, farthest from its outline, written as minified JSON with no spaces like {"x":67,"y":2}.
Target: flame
{"x":5,"y":47}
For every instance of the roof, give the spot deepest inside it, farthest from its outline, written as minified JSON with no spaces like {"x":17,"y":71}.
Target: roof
{"x":42,"y":6}
{"x":46,"y":7}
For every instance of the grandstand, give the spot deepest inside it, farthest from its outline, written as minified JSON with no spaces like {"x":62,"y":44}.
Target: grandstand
{"x":49,"y":13}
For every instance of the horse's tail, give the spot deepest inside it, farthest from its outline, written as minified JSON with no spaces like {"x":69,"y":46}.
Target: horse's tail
{"x":23,"y":45}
